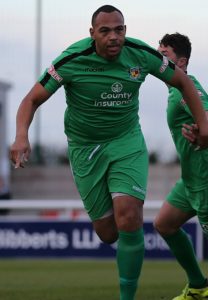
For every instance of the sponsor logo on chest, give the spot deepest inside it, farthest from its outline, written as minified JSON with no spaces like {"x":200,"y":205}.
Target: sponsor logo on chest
{"x":117,"y":97}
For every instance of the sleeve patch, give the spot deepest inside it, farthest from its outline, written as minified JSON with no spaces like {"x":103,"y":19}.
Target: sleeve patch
{"x":54,"y":74}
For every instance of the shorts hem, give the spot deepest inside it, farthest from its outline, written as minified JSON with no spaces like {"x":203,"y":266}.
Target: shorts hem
{"x":179,"y":207}
{"x":139,"y":196}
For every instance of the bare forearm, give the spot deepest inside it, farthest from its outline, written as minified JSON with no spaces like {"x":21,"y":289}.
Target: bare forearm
{"x":24,"y":117}
{"x":192,"y":99}
{"x":20,"y":149}
{"x":27,"y":109}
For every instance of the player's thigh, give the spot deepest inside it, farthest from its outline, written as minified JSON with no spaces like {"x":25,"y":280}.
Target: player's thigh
{"x":128,"y":174}
{"x":89,"y":167}
{"x":175,"y":211}
{"x":170,"y":218}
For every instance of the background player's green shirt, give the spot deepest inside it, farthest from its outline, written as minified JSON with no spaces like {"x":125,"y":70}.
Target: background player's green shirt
{"x":194,"y":164}
{"x":101,"y":95}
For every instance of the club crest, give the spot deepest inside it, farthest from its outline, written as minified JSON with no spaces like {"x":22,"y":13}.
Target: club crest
{"x":134,"y":72}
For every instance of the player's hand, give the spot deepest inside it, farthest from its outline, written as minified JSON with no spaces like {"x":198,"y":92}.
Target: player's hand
{"x":19,"y":152}
{"x":195,"y":137}
{"x":202,"y":136}
{"x":191,"y":133}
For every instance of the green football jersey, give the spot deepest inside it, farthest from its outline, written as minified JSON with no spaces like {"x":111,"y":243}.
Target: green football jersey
{"x":194,"y":164}
{"x":102,"y":95}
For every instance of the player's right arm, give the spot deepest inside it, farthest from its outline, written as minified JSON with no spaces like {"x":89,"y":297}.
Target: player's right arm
{"x":20,"y":149}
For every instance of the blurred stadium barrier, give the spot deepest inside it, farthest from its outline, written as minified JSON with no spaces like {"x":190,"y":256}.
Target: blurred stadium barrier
{"x":61,"y":228}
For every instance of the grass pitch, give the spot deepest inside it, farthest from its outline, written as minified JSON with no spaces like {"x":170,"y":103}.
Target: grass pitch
{"x":53,"y":279}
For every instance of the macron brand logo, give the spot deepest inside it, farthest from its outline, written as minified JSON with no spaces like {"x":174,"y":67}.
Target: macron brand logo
{"x":138,"y":189}
{"x":54,"y":74}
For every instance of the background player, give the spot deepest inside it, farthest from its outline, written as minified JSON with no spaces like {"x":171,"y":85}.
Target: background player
{"x":189,"y":197}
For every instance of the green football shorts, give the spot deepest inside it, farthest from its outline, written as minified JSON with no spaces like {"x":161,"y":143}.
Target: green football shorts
{"x":117,"y":166}
{"x":192,"y":202}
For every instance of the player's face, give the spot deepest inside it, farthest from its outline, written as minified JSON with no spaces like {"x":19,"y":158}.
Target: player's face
{"x":108,"y":31}
{"x":170,"y":54}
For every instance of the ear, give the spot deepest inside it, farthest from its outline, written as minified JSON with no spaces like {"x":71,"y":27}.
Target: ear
{"x":92,"y":33}
{"x":182,"y":62}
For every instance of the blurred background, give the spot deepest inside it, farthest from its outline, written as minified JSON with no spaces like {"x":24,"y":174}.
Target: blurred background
{"x":32,"y":34}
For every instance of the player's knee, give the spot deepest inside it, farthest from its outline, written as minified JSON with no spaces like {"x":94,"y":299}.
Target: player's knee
{"x":129,"y":220}
{"x":162,"y":228}
{"x":128,"y":223}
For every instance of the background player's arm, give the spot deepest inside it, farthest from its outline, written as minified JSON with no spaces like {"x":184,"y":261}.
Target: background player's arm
{"x":181,"y":81}
{"x":20,"y":149}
